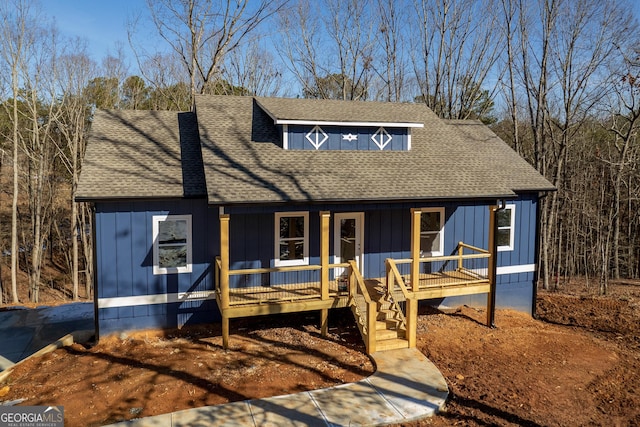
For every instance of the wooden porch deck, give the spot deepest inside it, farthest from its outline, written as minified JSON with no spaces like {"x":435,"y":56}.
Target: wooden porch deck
{"x":262,"y":291}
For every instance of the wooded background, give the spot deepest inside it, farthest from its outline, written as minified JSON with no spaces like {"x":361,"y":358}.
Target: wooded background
{"x":558,"y":80}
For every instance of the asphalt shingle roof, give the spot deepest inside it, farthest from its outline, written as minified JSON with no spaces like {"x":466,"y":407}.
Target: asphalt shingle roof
{"x":140,"y":154}
{"x":244,"y":164}
{"x":231,"y":153}
{"x":340,"y":111}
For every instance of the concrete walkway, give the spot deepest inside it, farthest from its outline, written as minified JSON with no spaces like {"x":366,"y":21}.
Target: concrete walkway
{"x":406,"y":386}
{"x":24,"y":331}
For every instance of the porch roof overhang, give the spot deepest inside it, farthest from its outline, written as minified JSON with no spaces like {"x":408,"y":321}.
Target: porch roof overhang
{"x":489,"y":198}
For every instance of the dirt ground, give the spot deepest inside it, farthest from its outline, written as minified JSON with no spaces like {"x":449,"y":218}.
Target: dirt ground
{"x":579,"y":364}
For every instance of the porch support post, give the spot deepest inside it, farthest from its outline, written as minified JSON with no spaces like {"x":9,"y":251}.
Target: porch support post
{"x":325,"y":217}
{"x":224,"y":277}
{"x":415,"y":249}
{"x":324,"y":253}
{"x":412,"y":302}
{"x":412,"y":320}
{"x":324,"y":322}
{"x":493,"y":250}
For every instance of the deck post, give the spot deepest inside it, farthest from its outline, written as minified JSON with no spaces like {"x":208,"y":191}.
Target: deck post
{"x":491,"y":296}
{"x":415,"y":249}
{"x":412,"y":303}
{"x":224,"y":277}
{"x":372,"y":313}
{"x":324,"y":254}
{"x":324,"y":322}
{"x":412,"y":321}
{"x":325,"y":216}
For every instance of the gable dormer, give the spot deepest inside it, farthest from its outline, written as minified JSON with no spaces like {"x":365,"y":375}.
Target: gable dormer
{"x":340,"y":125}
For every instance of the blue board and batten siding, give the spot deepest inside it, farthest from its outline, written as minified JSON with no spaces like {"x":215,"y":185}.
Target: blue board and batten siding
{"x":132,"y":294}
{"x":128,"y":290}
{"x":515,"y":268}
{"x":346,"y":138}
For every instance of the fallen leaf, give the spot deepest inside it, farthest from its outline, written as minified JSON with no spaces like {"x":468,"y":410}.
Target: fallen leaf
{"x":4,"y":391}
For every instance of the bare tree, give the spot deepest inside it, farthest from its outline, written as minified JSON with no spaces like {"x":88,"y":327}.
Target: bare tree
{"x":41,"y":111}
{"x":76,"y":71}
{"x":391,"y":67}
{"x":454,"y":50}
{"x":558,"y":73}
{"x":329,"y":46}
{"x":254,"y":69}
{"x":203,"y":32}
{"x":16,"y":42}
{"x":623,"y":124}
{"x":510,"y":16}
{"x":167,"y":91}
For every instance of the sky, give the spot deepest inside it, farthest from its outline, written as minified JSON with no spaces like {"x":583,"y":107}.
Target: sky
{"x":102,"y":23}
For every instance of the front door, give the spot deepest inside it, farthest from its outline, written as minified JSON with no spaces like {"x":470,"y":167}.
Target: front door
{"x":348,"y":239}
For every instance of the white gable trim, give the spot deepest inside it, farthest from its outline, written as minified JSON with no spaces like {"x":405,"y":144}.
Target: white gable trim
{"x":332,"y":123}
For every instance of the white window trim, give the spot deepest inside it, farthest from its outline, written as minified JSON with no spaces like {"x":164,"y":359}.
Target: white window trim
{"x":441,"y":232}
{"x":285,"y":137}
{"x":511,"y":227}
{"x":156,"y":254}
{"x":305,"y":243}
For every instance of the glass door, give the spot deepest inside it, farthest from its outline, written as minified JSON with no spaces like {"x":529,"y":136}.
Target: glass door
{"x":348,"y":239}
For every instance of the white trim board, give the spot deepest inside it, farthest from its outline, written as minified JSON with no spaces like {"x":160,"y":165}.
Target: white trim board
{"x":514,"y":269}
{"x":509,"y":269}
{"x":350,"y":124}
{"x":114,"y":302}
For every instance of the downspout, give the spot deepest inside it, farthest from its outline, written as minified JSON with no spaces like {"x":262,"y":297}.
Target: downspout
{"x":536,"y":258}
{"x":494,"y":266}
{"x":94,"y":275}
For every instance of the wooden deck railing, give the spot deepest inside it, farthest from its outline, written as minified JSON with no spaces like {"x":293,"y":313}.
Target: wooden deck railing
{"x":280,"y":284}
{"x":465,"y":272}
{"x":364,"y":308}
{"x":397,"y":292}
{"x":347,"y":282}
{"x":442,"y":271}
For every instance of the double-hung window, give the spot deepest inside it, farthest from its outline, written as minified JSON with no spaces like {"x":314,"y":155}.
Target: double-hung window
{"x":291,"y":238}
{"x":171,"y":244}
{"x":432,"y":232}
{"x":506,"y":219}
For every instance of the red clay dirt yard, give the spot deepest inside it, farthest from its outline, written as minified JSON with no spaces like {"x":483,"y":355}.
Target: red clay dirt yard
{"x":578,"y":365}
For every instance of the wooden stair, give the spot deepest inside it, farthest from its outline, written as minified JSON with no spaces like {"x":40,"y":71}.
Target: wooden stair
{"x":390,"y":333}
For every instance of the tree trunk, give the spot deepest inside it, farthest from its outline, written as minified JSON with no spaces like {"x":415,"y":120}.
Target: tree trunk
{"x":14,"y":204}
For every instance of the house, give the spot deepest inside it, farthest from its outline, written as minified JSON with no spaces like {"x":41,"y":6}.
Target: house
{"x":250,"y":206}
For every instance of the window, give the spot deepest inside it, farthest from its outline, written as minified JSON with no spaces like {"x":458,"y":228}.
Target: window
{"x":171,"y":244}
{"x":506,"y":219}
{"x":432,"y":232}
{"x":292,"y":238}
